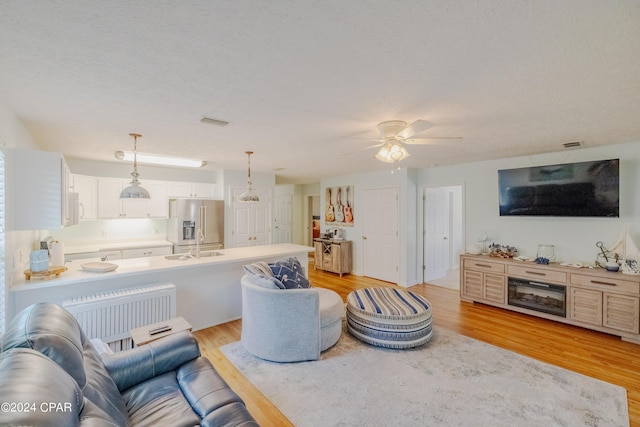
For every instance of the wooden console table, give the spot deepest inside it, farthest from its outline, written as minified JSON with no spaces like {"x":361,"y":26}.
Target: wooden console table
{"x":332,"y":255}
{"x":594,"y":298}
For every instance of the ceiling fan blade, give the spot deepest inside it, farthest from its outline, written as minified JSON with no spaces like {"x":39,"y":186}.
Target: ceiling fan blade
{"x":362,"y":149}
{"x":434,"y":140}
{"x":414,"y":129}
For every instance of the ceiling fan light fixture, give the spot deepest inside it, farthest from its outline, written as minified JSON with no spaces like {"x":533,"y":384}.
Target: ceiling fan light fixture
{"x":249,"y":195}
{"x":135,"y":190}
{"x":392,"y":151}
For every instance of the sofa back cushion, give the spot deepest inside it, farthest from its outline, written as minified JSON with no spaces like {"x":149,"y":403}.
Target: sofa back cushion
{"x":53,"y":331}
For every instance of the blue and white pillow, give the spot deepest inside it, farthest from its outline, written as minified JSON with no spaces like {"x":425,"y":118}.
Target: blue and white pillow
{"x":259,"y":274}
{"x":290,"y":273}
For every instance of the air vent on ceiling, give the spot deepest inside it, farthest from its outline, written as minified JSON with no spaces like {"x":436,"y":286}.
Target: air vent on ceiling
{"x":213,"y":121}
{"x":573,"y":144}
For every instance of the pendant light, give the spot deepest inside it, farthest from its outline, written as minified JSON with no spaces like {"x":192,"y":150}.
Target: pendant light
{"x":135,"y":191}
{"x":249,"y":195}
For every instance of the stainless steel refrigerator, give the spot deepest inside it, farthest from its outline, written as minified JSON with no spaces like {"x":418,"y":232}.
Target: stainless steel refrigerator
{"x":189,"y":216}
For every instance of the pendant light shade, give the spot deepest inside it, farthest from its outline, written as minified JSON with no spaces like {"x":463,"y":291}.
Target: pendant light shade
{"x":135,"y":190}
{"x":249,"y":195}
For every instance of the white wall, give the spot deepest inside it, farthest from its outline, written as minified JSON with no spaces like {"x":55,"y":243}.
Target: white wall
{"x":574,"y":238}
{"x":406,"y":181}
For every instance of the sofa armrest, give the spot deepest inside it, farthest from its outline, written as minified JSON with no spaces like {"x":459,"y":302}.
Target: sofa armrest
{"x":131,"y":367}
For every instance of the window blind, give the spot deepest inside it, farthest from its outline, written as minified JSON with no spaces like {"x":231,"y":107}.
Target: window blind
{"x":2,"y":249}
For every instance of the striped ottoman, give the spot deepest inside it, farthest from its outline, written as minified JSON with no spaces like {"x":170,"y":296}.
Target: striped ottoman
{"x":387,"y":317}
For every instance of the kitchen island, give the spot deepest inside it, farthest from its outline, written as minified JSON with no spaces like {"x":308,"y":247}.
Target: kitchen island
{"x":207,"y":289}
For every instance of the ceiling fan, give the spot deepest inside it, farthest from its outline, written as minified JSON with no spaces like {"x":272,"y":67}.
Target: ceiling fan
{"x":394,"y":134}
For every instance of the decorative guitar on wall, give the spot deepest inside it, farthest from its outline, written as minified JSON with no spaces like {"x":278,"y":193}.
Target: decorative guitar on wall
{"x":348,"y":210}
{"x":329,"y":215}
{"x":339,"y":212}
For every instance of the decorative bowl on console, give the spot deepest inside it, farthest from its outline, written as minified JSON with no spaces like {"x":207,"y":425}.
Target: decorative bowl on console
{"x":502,"y":251}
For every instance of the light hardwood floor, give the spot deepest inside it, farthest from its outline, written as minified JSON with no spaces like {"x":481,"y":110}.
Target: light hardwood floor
{"x":588,"y":352}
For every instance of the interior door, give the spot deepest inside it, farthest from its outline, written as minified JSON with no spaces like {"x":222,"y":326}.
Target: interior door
{"x":436,"y":233}
{"x":282,"y":219}
{"x":251,"y":220}
{"x":380,"y":233}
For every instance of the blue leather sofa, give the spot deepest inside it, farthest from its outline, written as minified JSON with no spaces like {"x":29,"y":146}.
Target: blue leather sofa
{"x":50,"y":374}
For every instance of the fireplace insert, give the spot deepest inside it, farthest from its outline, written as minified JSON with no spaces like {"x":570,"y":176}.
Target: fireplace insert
{"x":537,"y":296}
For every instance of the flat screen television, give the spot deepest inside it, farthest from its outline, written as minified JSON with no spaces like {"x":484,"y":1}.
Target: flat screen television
{"x":583,"y":189}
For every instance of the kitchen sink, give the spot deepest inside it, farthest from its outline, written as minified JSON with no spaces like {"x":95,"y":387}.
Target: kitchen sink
{"x":187,"y":256}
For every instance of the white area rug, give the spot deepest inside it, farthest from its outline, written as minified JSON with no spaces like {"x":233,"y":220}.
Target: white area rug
{"x":451,"y":381}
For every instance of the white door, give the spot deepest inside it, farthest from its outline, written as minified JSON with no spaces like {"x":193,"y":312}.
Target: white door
{"x":436,"y":233}
{"x":380,"y":233}
{"x":251,"y":220}
{"x":282,"y":220}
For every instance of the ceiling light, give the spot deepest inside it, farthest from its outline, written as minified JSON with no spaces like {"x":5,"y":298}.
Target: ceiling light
{"x":135,"y":190}
{"x":392,"y":151}
{"x":249,"y":195}
{"x":212,"y":121}
{"x":153,"y":159}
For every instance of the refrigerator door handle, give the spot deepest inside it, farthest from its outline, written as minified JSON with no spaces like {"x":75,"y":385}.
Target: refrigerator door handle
{"x":203,"y":221}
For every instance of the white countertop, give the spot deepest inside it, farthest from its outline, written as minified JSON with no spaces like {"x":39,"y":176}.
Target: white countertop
{"x":97,"y":246}
{"x":138,"y":266}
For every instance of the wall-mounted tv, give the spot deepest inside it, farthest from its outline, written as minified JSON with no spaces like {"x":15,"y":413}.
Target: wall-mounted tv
{"x":587,"y":189}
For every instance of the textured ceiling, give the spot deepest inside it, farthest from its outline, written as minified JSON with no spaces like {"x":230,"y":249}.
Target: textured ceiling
{"x":304,"y":83}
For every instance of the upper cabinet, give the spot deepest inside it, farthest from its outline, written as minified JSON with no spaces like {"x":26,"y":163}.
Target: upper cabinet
{"x":110,"y":205}
{"x":87,"y":189}
{"x":42,"y":195}
{"x":200,"y":190}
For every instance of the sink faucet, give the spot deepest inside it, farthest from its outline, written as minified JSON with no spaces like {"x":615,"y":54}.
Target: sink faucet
{"x":199,"y":239}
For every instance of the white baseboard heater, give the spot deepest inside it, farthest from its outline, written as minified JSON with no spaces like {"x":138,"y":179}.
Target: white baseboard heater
{"x":110,"y":315}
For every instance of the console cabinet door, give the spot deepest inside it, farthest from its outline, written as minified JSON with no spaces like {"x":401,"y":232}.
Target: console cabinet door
{"x":494,"y":287}
{"x":586,"y":306}
{"x":472,"y":284}
{"x":621,"y":312}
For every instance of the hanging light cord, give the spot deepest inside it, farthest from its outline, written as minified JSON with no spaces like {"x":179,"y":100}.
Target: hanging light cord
{"x":135,"y":173}
{"x":249,"y":153}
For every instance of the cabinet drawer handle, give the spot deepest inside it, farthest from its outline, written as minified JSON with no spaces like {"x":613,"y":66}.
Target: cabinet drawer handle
{"x":598,"y":282}
{"x":483,"y":265}
{"x":536,"y":273}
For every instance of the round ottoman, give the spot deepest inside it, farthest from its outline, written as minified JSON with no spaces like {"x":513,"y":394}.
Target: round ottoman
{"x":387,"y":317}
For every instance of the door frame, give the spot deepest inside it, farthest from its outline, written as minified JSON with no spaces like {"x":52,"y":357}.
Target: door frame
{"x":308,"y":218}
{"x":454,"y":262}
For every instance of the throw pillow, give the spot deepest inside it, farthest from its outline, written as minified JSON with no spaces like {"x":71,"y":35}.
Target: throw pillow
{"x":260,"y":268}
{"x":259,"y":273}
{"x":290,"y":273}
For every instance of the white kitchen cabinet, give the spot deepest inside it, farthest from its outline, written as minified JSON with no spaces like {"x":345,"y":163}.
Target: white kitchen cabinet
{"x":191,"y":189}
{"x":87,"y":189}
{"x":41,"y":194}
{"x":158,"y":204}
{"x":110,"y":205}
{"x":145,"y":252}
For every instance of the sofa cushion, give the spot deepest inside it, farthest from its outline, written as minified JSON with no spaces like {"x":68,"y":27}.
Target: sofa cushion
{"x":290,"y":273}
{"x":159,"y":401}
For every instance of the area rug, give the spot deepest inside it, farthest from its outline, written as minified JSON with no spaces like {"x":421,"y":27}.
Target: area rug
{"x":451,"y":381}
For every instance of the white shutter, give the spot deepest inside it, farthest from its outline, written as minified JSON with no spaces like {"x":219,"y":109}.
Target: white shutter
{"x":2,"y":254}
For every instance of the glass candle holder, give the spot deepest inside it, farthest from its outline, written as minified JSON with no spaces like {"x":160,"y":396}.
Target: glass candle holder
{"x":546,"y":251}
